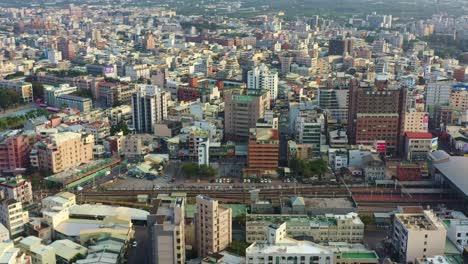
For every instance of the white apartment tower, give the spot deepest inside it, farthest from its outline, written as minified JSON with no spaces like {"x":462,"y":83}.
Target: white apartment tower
{"x":261,"y":78}
{"x":149,"y":105}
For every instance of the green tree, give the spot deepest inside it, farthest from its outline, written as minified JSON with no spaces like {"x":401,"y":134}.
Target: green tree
{"x":237,"y":247}
{"x":121,"y":126}
{"x":190,"y":169}
{"x":38,"y":90}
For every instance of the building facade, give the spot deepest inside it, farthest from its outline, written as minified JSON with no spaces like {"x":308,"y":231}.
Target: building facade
{"x":166,"y":228}
{"x":418,"y":234}
{"x":213,"y":226}
{"x":242,"y":110}
{"x":261,"y":78}
{"x":62,"y":151}
{"x":149,"y":107}
{"x":344,"y":228}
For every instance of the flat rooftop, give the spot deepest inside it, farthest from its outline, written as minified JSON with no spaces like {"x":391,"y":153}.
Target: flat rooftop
{"x":359,"y":255}
{"x":290,"y":247}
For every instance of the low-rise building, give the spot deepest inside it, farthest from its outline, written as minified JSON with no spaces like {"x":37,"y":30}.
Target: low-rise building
{"x":417,"y":233}
{"x":417,"y":145}
{"x":23,"y":89}
{"x":10,"y":254}
{"x":83,"y":104}
{"x":374,"y":167}
{"x":278,"y":248}
{"x":66,"y":251}
{"x":40,"y":254}
{"x":328,"y":228}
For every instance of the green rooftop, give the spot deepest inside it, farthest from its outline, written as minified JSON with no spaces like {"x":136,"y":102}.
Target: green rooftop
{"x":359,"y":255}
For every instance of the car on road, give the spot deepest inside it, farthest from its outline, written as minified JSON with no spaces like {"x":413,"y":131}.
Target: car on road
{"x":134,"y":244}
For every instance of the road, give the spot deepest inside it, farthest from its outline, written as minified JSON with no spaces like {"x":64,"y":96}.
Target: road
{"x":18,"y":111}
{"x":140,"y":253}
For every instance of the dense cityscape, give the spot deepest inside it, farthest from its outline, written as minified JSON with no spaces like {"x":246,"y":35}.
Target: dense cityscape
{"x":233,"y":132}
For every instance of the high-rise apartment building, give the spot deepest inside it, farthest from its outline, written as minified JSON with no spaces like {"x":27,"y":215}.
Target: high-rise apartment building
{"x":376,"y":115}
{"x":166,"y":229}
{"x":308,"y":131}
{"x":62,"y":151}
{"x":213,"y":226}
{"x":416,"y":121}
{"x":243,"y":108}
{"x":417,"y":233}
{"x":459,"y":99}
{"x":437,"y":94}
{"x":67,"y":47}
{"x":14,"y":150}
{"x":261,"y":78}
{"x":149,"y":107}
{"x":286,"y":62}
{"x":149,"y":41}
{"x":13,"y":217}
{"x":337,"y":46}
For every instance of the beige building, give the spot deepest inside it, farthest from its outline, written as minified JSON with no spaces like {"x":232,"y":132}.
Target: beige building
{"x":328,"y":228}
{"x":242,"y":110}
{"x":213,"y":226}
{"x":417,"y":233}
{"x":459,"y":99}
{"x":40,"y":254}
{"x":64,"y":150}
{"x":416,"y":121}
{"x":13,"y":217}
{"x":23,"y":89}
{"x":166,"y":228}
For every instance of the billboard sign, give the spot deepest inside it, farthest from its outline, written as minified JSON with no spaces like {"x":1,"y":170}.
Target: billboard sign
{"x":434,"y":143}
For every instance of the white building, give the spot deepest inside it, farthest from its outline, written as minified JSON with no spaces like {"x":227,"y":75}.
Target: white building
{"x":17,"y":188}
{"x":13,"y":216}
{"x":282,"y":250}
{"x":338,"y":158}
{"x":137,"y":71}
{"x":52,"y":92}
{"x":262,"y":78}
{"x":204,"y":152}
{"x":149,"y":105}
{"x":457,"y":230}
{"x":54,"y":56}
{"x":417,"y":233}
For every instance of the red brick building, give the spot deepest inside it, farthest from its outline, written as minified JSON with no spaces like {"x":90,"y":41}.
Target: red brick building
{"x":409,"y":172}
{"x":263,"y":150}
{"x":376,"y":115}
